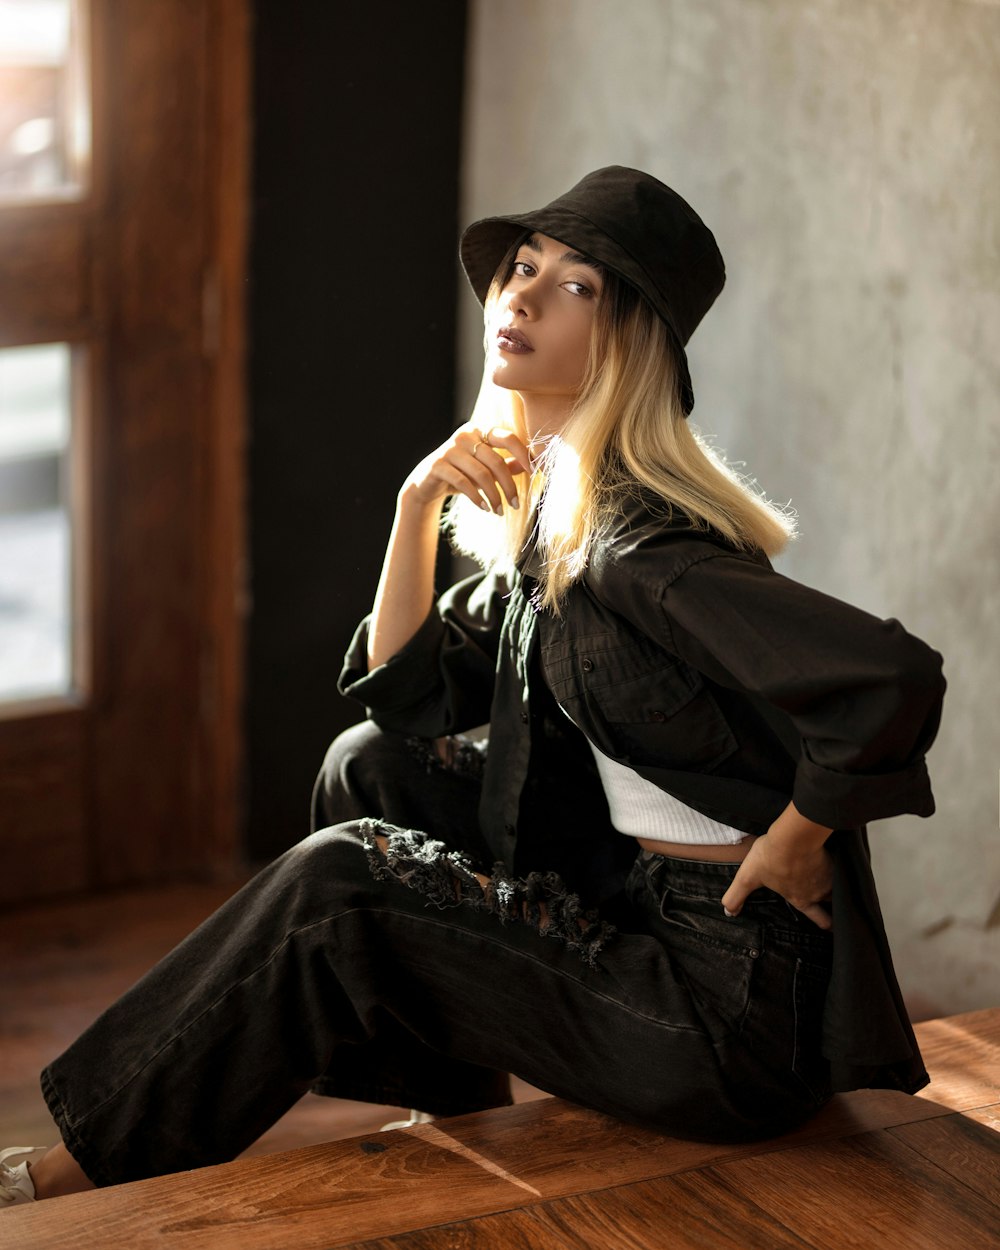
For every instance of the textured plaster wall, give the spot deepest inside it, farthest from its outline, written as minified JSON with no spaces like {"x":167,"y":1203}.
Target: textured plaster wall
{"x":847,"y":155}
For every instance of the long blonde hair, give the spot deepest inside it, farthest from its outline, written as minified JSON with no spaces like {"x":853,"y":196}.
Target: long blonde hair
{"x":627,"y":429}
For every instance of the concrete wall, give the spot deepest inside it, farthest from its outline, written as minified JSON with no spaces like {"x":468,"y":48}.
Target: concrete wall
{"x":847,"y":155}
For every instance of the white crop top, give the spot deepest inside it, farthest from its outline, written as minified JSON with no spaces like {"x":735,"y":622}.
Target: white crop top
{"x":645,"y":811}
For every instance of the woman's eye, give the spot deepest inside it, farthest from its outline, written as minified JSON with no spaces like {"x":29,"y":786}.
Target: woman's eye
{"x":523,"y":268}
{"x":579,"y":288}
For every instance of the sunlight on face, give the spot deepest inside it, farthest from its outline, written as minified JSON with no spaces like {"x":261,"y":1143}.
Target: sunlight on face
{"x":539,"y":331}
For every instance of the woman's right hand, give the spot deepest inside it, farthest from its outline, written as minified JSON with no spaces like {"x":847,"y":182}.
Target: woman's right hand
{"x":470,"y":463}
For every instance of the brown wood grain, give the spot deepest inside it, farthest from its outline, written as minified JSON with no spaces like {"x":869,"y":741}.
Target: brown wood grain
{"x":560,"y":1148}
{"x":388,"y":1184}
{"x":967,"y":1149}
{"x":864,"y":1191}
{"x":45,"y":274}
{"x":224,"y":575}
{"x":962,"y":1054}
{"x":510,"y":1230}
{"x":145,"y":779}
{"x":313,"y":1199}
{"x":677,"y":1211}
{"x":989,"y":1116}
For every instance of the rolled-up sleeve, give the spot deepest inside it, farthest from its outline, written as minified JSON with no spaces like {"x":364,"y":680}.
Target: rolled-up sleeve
{"x":442,"y":681}
{"x":864,"y":695}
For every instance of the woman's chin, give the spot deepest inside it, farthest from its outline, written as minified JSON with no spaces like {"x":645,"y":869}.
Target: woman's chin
{"x":501,"y":376}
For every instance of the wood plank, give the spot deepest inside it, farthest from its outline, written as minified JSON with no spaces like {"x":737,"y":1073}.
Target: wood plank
{"x":560,"y":1148}
{"x":966,"y":1149}
{"x":672,"y":1211}
{"x":988,"y":1116}
{"x":962,"y":1054}
{"x":680,"y":1208}
{"x":550,"y":1147}
{"x":862,"y":1111}
{"x":510,"y":1230}
{"x":386,"y":1184}
{"x":860,"y":1192}
{"x":314,"y":1199}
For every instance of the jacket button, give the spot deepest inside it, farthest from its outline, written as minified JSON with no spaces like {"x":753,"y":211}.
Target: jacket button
{"x":659,"y":717}
{"x":524,"y":718}
{"x":588,"y":666}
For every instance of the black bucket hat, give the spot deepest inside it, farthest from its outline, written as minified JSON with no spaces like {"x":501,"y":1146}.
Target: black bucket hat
{"x":631,"y":223}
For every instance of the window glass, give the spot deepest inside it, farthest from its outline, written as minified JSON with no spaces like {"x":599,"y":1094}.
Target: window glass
{"x":36,"y":522}
{"x":44,"y":99}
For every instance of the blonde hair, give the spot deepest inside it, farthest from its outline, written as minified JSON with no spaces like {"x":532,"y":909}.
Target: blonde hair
{"x":627,"y":430}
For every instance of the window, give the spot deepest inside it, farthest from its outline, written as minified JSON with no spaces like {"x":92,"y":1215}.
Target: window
{"x":44,"y":100}
{"x":37,"y":514}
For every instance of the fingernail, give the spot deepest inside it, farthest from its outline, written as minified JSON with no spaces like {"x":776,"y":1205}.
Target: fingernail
{"x":515,"y":502}
{"x":730,"y":914}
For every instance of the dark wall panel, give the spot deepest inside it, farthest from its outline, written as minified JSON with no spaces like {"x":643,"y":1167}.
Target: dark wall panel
{"x":357,"y":121}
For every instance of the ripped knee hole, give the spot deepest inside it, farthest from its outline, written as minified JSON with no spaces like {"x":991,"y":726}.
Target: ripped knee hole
{"x":447,"y":879}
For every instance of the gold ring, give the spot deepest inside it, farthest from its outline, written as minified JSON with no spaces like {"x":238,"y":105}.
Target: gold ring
{"x":486,"y":439}
{"x":476,"y":446}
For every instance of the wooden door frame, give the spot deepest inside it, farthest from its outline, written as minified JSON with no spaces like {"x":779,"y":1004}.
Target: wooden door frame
{"x":225,"y":591}
{"x":88,"y":754}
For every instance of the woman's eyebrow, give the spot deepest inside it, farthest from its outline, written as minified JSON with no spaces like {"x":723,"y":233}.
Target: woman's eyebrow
{"x":569,"y":258}
{"x":578,"y":258}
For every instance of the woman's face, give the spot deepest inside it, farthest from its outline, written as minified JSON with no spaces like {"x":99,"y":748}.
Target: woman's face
{"x":539,"y":333}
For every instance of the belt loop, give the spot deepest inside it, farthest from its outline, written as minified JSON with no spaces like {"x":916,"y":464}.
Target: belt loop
{"x":652,"y":865}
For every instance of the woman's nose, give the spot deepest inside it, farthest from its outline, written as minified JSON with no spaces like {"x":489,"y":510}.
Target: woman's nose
{"x":524,"y":298}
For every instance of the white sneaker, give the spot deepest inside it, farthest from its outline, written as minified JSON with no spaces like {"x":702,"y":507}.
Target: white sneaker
{"x":16,"y":1184}
{"x":417,"y":1117}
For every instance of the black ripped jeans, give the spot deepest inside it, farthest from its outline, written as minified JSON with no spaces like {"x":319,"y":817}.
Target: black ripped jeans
{"x":397,"y":978}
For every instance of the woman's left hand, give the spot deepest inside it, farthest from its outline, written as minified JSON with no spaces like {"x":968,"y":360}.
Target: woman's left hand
{"x":790,"y":859}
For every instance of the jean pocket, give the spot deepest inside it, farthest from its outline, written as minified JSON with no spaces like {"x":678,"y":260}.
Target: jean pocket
{"x":716,"y":958}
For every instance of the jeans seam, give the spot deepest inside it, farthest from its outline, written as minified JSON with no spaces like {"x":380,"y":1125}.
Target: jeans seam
{"x":605,"y":998}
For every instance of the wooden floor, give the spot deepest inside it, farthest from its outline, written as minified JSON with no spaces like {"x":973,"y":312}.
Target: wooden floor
{"x":876,"y":1169}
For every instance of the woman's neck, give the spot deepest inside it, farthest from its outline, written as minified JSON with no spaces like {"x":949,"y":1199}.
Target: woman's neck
{"x":544,"y":416}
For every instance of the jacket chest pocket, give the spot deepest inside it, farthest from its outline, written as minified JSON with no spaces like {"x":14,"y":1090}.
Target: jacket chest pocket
{"x":637,"y":703}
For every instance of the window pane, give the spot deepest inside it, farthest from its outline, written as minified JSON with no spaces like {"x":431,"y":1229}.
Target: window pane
{"x":36,"y":520}
{"x":44,"y":99}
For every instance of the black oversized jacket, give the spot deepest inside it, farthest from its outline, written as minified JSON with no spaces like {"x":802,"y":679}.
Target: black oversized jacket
{"x":717,"y":679}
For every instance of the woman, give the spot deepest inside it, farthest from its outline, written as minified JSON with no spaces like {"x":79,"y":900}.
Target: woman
{"x":679,"y":737}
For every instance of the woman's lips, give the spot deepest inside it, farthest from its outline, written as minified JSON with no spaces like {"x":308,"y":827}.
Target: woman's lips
{"x":511,"y":340}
